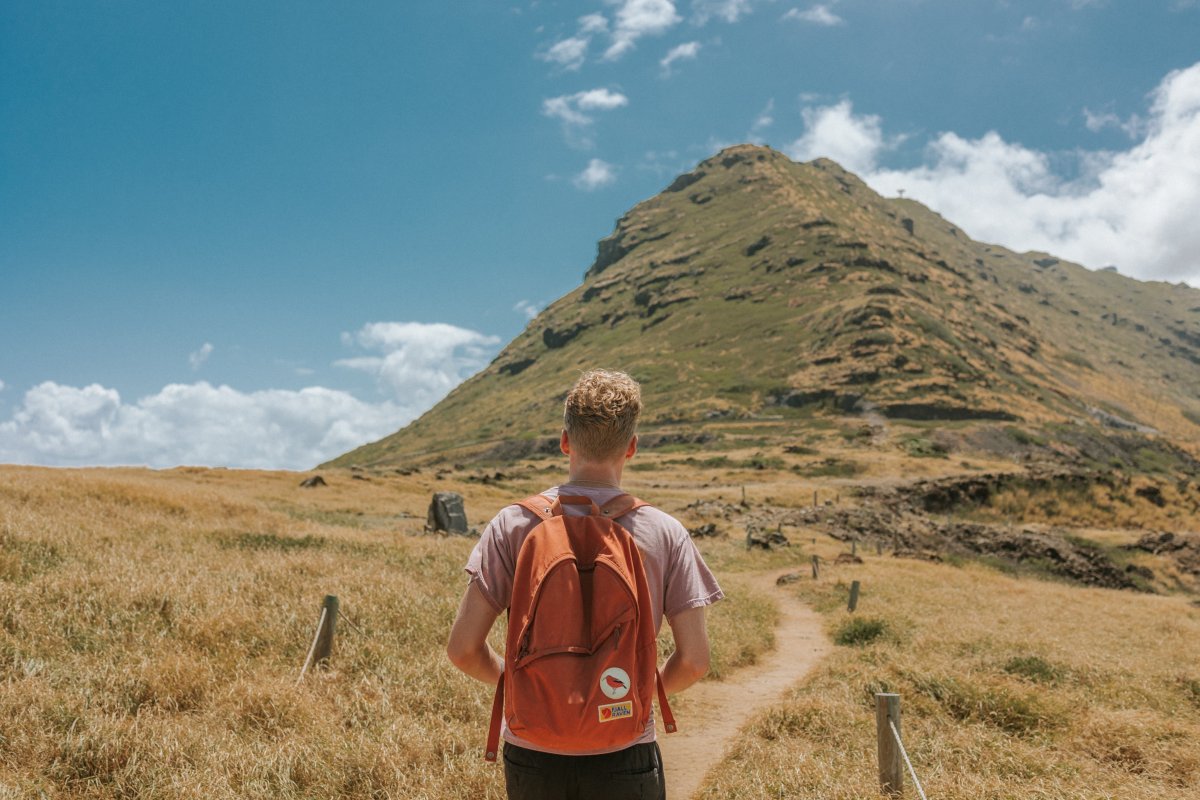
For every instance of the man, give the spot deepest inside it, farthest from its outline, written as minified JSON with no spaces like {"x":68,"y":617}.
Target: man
{"x":598,"y":437}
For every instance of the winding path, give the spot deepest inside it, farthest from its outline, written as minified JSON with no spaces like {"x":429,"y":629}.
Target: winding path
{"x":717,"y":710}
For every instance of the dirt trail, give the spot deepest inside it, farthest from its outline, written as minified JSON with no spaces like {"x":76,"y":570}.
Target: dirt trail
{"x":717,"y":710}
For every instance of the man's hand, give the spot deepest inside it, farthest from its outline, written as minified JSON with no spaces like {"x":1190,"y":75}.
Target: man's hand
{"x":689,"y":662}
{"x":468,"y":648}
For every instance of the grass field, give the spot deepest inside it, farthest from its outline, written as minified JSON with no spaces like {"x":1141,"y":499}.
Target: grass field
{"x":1010,"y":688}
{"x":153,"y":625}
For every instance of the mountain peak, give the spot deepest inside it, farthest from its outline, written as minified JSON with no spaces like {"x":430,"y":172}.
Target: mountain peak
{"x":756,"y":287}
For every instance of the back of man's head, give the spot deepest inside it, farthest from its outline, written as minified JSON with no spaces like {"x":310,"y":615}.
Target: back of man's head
{"x":601,"y":413}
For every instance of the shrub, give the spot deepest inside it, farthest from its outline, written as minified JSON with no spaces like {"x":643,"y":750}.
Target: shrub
{"x":270,"y":541}
{"x":1024,"y":437}
{"x":995,"y":705}
{"x":1033,"y":668}
{"x":759,"y":461}
{"x":1079,"y":361}
{"x":829,"y":468}
{"x":859,"y":630}
{"x":1191,"y":690}
{"x":920,"y":447}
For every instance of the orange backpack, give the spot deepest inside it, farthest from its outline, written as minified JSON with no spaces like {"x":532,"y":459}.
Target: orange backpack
{"x":581,"y":661}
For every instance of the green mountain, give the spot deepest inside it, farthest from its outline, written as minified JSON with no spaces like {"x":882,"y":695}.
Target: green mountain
{"x":756,"y":289}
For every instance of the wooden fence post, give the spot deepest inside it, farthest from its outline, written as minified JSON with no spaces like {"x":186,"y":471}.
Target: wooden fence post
{"x":853,"y":596}
{"x":891,"y":767}
{"x":853,"y":547}
{"x":816,"y":567}
{"x":322,"y":644}
{"x":325,"y":635}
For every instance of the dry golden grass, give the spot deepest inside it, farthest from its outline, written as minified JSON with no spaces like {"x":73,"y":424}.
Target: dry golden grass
{"x":1116,"y":506}
{"x":1010,"y":688}
{"x":152,"y":627}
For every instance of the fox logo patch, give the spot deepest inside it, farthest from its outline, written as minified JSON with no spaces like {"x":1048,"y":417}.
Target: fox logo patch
{"x":616,"y":711}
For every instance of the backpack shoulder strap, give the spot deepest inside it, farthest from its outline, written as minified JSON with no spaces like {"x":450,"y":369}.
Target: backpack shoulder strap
{"x":621,"y":505}
{"x":493,"y":740}
{"x":539,"y":505}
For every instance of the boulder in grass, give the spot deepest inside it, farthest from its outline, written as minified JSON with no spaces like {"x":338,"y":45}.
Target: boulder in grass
{"x":446,"y":514}
{"x":313,"y":482}
{"x":764,"y":538}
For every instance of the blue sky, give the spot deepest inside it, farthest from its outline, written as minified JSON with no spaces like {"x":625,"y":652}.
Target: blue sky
{"x":257,"y":234}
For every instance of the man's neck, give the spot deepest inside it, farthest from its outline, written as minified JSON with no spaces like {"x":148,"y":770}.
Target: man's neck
{"x":599,"y":475}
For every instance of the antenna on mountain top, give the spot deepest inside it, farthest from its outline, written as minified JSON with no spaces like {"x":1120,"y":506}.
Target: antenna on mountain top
{"x":901,"y":193}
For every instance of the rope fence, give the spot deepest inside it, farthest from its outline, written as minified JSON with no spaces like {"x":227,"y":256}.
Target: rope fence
{"x":308,"y":660}
{"x":908,"y":763}
{"x":892,"y":755}
{"x":321,"y":650}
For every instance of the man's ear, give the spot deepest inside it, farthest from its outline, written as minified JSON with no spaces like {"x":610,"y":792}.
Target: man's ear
{"x":632,"y":449}
{"x":564,"y":443}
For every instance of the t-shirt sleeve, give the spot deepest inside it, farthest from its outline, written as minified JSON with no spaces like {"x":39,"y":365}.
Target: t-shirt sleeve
{"x":492,"y":562}
{"x":689,"y":581}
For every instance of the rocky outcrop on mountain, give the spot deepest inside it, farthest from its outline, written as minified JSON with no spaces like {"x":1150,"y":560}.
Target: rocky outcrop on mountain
{"x":1183,"y":549}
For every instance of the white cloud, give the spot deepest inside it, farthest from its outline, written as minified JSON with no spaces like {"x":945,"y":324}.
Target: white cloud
{"x":836,"y":132}
{"x":220,"y":426}
{"x":597,"y":174}
{"x":570,"y":108}
{"x":1134,"y":127}
{"x":527,"y":308}
{"x":593,"y":23}
{"x":563,"y":108}
{"x":819,"y":14}
{"x":192,"y":424}
{"x":569,"y":53}
{"x":420,"y":362}
{"x":197,"y":358}
{"x":1134,"y":208}
{"x":728,"y":10}
{"x":600,"y":100}
{"x":637,"y":18}
{"x":764,"y":120}
{"x":1,"y":386}
{"x":688,"y":50}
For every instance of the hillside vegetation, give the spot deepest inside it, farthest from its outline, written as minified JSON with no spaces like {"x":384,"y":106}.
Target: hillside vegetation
{"x":153,"y":624}
{"x":756,"y":287}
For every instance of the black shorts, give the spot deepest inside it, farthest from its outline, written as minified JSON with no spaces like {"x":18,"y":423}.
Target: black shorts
{"x":634,"y":773}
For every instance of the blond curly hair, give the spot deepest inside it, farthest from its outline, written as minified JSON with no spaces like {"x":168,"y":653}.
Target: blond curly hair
{"x":601,"y":413}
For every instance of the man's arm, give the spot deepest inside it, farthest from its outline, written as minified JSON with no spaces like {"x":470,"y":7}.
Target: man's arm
{"x":689,"y":662}
{"x":468,"y":648}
